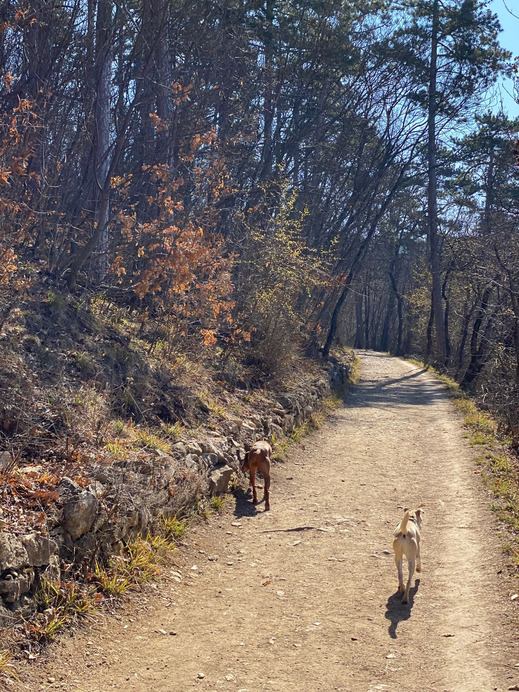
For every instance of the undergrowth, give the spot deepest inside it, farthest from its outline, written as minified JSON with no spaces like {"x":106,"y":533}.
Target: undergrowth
{"x":63,"y":603}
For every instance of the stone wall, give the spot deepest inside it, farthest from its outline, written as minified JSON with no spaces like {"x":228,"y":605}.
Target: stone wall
{"x":126,"y":498}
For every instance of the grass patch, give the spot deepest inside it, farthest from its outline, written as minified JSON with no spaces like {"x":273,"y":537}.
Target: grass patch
{"x":173,"y":430}
{"x":58,"y":606}
{"x":217,"y":503}
{"x":7,"y":668}
{"x":139,"y":563}
{"x":174,"y":528}
{"x":144,"y":439}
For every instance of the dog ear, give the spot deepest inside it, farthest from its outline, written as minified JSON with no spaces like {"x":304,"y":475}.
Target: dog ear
{"x":419,"y":512}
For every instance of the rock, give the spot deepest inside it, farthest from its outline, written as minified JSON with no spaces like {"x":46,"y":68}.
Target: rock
{"x":179,"y":448}
{"x":231,"y":460}
{"x":31,"y":469}
{"x":285,"y":403}
{"x":79,"y":514}
{"x":13,"y":555}
{"x":39,"y":549}
{"x":219,"y":479}
{"x":193,"y":448}
{"x":232,"y":426}
{"x":102,"y":476}
{"x":145,"y":467}
{"x":14,"y":584}
{"x":68,"y":489}
{"x":191,"y":461}
{"x":208,"y":447}
{"x":208,"y":461}
{"x":276,"y":430}
{"x":53,"y":573}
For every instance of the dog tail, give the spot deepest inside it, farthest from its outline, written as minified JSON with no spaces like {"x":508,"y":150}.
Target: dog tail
{"x":403,"y":524}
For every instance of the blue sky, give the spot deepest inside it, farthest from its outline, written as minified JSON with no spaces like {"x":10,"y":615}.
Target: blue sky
{"x":509,"y":39}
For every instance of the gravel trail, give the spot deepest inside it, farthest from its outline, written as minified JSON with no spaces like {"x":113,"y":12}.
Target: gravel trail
{"x":303,"y":598}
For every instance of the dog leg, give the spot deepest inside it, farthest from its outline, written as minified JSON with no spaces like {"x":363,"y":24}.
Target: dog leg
{"x":405,"y":599}
{"x":398,"y":562}
{"x":266,"y":495}
{"x":418,"y":559}
{"x":253,"y":484}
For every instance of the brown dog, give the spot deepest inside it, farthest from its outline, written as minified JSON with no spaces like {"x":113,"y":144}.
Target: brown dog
{"x":258,"y":459}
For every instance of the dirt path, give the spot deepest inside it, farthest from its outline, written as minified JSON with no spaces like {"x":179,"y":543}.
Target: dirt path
{"x":303,"y":598}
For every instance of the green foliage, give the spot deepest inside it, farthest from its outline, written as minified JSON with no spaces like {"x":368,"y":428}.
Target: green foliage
{"x":283,"y":274}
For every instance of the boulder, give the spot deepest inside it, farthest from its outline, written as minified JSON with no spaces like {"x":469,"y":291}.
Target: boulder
{"x":179,"y":448}
{"x":13,"y":555}
{"x":79,"y":514}
{"x":219,"y":479}
{"x":39,"y":549}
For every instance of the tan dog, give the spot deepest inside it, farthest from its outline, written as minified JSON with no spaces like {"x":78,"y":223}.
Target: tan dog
{"x":407,"y":542}
{"x":258,"y":459}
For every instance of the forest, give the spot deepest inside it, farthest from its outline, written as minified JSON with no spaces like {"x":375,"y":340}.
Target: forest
{"x":248,"y":182}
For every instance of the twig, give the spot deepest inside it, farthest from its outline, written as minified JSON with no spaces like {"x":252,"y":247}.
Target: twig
{"x":296,"y":528}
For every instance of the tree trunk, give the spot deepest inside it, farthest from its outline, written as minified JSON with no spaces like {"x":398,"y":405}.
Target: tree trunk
{"x":359,"y":332}
{"x":432,"y":196}
{"x":464,"y":333}
{"x":477,"y":350}
{"x":267,"y":156}
{"x":99,"y":239}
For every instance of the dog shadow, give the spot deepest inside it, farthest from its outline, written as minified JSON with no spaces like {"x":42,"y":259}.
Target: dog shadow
{"x":397,"y":612}
{"x":244,"y":506}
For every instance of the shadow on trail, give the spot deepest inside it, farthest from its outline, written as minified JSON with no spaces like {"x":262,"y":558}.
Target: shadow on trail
{"x":244,"y":506}
{"x":395,"y":393}
{"x":396,"y":611}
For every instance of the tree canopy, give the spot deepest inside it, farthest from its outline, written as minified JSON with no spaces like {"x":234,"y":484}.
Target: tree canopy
{"x":273,"y":176}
